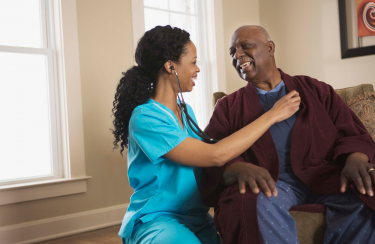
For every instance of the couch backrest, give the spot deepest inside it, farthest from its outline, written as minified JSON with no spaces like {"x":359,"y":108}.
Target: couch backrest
{"x":349,"y":93}
{"x":345,"y":93}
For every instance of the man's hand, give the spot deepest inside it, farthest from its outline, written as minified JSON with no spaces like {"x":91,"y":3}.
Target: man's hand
{"x":357,"y":170}
{"x":249,"y":174}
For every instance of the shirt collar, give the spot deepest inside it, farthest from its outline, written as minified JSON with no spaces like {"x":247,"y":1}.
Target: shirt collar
{"x":277,"y":88}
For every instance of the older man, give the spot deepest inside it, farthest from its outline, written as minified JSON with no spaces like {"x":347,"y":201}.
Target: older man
{"x":313,"y":157}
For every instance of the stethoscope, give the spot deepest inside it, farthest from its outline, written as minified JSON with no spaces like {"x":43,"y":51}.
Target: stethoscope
{"x":190,"y":121}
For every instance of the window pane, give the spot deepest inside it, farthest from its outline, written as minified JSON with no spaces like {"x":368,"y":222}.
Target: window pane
{"x":184,"y":6}
{"x":155,"y":17}
{"x":188,"y":23}
{"x":163,"y":4}
{"x":24,"y":120}
{"x":20,"y":23}
{"x":197,"y":99}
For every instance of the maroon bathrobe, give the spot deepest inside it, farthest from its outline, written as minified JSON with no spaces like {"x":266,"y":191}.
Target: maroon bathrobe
{"x":325,"y":132}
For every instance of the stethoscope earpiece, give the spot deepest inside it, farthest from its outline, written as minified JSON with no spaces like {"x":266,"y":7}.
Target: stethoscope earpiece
{"x":175,"y":72}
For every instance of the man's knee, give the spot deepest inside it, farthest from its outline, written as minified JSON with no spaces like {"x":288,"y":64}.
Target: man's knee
{"x":267,"y":203}
{"x":267,"y":207}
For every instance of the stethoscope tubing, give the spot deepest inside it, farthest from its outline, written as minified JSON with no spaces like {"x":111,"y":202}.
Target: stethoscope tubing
{"x":190,"y":121}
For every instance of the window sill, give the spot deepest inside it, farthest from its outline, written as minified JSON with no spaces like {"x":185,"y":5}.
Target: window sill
{"x":42,"y":189}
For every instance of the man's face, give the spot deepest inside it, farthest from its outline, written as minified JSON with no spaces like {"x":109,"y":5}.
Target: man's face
{"x":250,"y":53}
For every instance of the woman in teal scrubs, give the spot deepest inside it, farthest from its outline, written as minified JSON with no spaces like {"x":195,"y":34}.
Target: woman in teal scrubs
{"x":164,"y":154}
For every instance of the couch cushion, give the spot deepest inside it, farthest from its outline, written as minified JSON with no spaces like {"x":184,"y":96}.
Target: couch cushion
{"x":310,"y":227}
{"x":364,"y":107}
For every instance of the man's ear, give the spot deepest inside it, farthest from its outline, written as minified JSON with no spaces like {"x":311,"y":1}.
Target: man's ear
{"x":271,"y":48}
{"x":168,"y":66}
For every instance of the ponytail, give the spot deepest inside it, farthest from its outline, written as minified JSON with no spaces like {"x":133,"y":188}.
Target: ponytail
{"x":135,"y":87}
{"x":138,"y":84}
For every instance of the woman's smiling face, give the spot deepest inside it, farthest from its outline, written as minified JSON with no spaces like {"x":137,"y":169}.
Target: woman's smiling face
{"x":187,"y":69}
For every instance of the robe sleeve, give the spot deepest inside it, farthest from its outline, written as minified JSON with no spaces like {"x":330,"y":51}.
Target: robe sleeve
{"x":218,"y":128}
{"x":352,"y":135}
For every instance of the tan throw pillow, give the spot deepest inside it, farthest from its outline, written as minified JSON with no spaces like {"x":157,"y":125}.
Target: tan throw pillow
{"x":364,"y":108}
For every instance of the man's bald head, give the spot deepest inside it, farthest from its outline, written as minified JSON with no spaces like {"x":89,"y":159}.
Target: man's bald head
{"x":252,"y":52}
{"x":263,"y":34}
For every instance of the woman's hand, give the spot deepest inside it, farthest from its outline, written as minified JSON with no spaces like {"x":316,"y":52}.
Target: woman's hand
{"x":250,"y":174}
{"x":194,"y":152}
{"x":286,"y":106}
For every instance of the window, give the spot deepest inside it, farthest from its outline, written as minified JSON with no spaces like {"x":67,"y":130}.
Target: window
{"x":195,"y":17}
{"x":40,"y":95}
{"x":28,"y":124}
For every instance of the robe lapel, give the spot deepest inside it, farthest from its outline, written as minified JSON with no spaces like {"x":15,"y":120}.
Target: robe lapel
{"x":299,"y":131}
{"x":305,"y":150}
{"x":264,"y":149}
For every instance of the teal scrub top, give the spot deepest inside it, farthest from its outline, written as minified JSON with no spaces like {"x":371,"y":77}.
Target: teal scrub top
{"x":161,"y":186}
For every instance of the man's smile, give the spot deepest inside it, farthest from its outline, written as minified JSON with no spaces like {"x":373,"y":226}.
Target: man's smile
{"x":245,"y":65}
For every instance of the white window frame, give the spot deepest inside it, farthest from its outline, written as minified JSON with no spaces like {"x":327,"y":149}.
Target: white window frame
{"x":67,"y":127}
{"x":211,"y":14}
{"x":47,"y":50}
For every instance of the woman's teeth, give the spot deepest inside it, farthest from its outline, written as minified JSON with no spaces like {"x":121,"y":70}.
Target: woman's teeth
{"x":194,"y":79}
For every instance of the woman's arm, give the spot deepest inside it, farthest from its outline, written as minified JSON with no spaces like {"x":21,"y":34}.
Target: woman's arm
{"x":194,"y":152}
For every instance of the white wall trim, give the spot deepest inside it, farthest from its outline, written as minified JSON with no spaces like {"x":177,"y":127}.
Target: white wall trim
{"x":42,"y":189}
{"x":70,"y":88}
{"x":66,"y":225}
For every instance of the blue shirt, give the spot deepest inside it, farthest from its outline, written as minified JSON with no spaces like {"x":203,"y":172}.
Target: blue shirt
{"x":161,"y":186}
{"x":281,"y":132}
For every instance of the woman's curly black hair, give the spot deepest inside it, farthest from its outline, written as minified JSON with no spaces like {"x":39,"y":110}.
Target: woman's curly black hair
{"x":138,"y":84}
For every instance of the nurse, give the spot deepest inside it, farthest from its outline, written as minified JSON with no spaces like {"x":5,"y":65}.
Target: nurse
{"x":164,"y":154}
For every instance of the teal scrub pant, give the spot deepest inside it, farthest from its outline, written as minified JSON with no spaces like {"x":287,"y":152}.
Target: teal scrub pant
{"x":174,"y":230}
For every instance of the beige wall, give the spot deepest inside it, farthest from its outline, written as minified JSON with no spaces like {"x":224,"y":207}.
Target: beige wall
{"x":307,"y":38}
{"x":105,"y":44}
